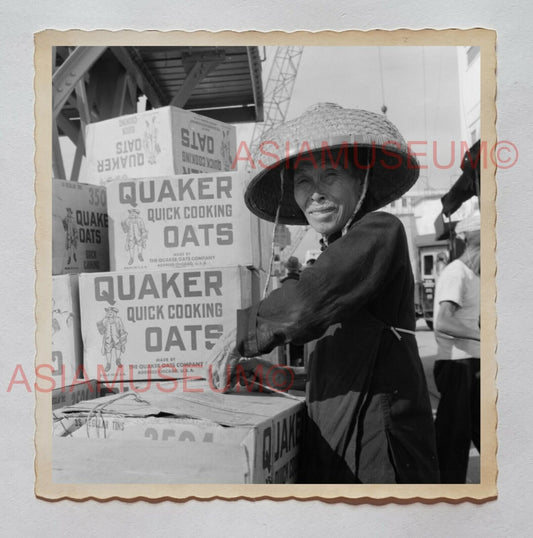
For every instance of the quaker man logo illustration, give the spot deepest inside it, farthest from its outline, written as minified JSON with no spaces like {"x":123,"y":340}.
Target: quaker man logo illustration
{"x":150,"y":143}
{"x":114,"y":337}
{"x":71,"y":229}
{"x":136,"y":234}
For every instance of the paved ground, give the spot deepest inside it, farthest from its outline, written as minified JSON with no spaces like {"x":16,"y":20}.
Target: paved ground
{"x":428,"y":348}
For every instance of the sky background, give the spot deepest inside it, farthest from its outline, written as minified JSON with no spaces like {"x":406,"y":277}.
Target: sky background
{"x":419,"y":86}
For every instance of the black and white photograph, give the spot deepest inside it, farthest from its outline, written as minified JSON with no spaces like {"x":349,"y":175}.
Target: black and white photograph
{"x":262,"y":273}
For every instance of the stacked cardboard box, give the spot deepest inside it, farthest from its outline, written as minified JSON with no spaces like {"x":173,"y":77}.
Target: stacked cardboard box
{"x":80,"y":243}
{"x":82,"y":390}
{"x":79,"y":228}
{"x":159,"y":142}
{"x":259,"y":284}
{"x":197,"y":220}
{"x":158,"y":324}
{"x":163,"y":231}
{"x":67,"y":354}
{"x":185,"y":254}
{"x":262,"y":234}
{"x":215,"y":438}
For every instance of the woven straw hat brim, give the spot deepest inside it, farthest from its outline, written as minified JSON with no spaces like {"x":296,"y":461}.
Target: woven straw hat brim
{"x":324,"y":127}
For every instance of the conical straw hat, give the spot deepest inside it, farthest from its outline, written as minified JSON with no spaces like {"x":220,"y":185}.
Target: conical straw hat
{"x":369,"y":139}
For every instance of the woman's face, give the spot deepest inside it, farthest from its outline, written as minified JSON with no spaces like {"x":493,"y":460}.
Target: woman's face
{"x":326,"y":194}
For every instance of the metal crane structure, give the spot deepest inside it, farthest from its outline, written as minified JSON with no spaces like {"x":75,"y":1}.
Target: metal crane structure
{"x":277,"y":97}
{"x":278,"y":91}
{"x":295,"y":242}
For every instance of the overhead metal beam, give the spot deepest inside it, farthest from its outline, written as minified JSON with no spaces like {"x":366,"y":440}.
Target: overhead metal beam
{"x":242,"y":114}
{"x":222,"y":100}
{"x":78,"y":157}
{"x":85,"y":118}
{"x":70,"y":73}
{"x":254,"y":61}
{"x":132,"y":61}
{"x":120,"y":96}
{"x":197,"y":66}
{"x":132,"y":91}
{"x":68,"y":128}
{"x":58,"y":169}
{"x":82,"y":104}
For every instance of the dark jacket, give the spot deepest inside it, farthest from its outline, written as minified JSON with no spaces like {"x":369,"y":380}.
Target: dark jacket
{"x":369,"y":415}
{"x":290,"y":276}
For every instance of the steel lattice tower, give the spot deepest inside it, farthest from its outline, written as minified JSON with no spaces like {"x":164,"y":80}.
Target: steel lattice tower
{"x":278,"y":91}
{"x":277,"y":97}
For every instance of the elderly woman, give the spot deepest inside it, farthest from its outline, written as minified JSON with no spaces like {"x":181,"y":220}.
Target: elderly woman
{"x":368,"y":410}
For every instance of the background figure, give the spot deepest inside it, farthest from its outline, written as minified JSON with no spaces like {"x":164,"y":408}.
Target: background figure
{"x":293,"y":268}
{"x":442,"y":262}
{"x":456,"y":369}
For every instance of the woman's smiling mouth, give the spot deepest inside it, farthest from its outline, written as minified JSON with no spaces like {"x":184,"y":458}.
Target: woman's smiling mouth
{"x":321,"y":210}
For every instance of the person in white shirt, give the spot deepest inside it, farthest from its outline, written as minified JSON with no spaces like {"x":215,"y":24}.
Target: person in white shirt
{"x":456,"y":371}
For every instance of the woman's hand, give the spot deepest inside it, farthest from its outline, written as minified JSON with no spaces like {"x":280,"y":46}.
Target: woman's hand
{"x":220,"y":368}
{"x":225,"y":369}
{"x":256,"y":374}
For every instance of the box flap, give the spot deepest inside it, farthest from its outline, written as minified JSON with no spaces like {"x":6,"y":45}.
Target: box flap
{"x":235,"y":409}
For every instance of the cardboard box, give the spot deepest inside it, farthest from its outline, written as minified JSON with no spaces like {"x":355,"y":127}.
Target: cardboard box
{"x":215,"y":438}
{"x":262,"y":236}
{"x":159,"y":323}
{"x":79,"y":228}
{"x":82,"y":391}
{"x":159,"y":142}
{"x":66,"y":426}
{"x":72,"y":394}
{"x":198,"y":220}
{"x":67,"y":354}
{"x":259,"y":279}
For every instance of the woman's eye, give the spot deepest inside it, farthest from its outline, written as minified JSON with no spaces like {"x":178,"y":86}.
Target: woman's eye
{"x":330,"y":177}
